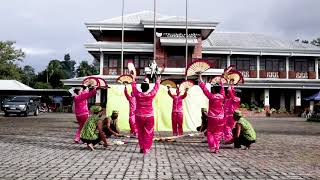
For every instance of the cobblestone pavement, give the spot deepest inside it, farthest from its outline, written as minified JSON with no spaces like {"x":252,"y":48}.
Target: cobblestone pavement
{"x":41,"y":148}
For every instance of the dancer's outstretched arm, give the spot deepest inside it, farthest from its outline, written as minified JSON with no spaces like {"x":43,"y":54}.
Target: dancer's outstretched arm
{"x":185,"y":93}
{"x":126,"y":92}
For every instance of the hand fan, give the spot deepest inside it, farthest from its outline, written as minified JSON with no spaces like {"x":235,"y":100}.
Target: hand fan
{"x":125,"y":79}
{"x":186,"y":84}
{"x":169,"y":83}
{"x":234,"y":77}
{"x":102,"y":82}
{"x":131,"y":68}
{"x":91,"y":81}
{"x":218,"y":79}
{"x":196,"y":67}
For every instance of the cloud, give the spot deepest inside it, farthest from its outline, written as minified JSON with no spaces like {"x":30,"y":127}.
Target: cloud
{"x":37,"y":51}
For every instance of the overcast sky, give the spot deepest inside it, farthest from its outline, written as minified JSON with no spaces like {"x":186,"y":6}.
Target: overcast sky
{"x":48,"y":29}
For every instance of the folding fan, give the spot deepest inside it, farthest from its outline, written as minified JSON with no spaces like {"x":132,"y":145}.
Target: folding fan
{"x":196,"y":67}
{"x":234,"y":76}
{"x":131,"y":68}
{"x":218,"y":79}
{"x":229,"y":69}
{"x":91,"y":81}
{"x":125,"y":79}
{"x":102,"y":82}
{"x":186,"y":84}
{"x":169,"y":83}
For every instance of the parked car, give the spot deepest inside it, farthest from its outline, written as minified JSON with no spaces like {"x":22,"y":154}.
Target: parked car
{"x":22,"y":105}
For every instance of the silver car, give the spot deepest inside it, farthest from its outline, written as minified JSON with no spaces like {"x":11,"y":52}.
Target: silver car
{"x":22,"y":105}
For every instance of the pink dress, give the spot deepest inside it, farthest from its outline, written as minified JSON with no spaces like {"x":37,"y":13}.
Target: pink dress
{"x":215,"y":117}
{"x":177,"y":113}
{"x":145,"y":116}
{"x":132,"y":116}
{"x":231,"y":104}
{"x":81,"y":110}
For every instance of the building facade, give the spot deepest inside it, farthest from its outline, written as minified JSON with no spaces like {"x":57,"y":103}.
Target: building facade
{"x":278,"y":73}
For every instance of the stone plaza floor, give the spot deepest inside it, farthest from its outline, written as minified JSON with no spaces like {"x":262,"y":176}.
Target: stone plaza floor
{"x":42,"y":148}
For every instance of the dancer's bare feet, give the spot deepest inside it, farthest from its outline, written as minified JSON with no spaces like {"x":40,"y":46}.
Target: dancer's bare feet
{"x":90,"y":147}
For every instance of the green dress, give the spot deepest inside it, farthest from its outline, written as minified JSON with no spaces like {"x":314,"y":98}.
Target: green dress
{"x":247,"y":129}
{"x":89,"y":130}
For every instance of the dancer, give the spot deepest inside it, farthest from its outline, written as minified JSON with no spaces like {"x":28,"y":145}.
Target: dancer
{"x":144,"y":113}
{"x":177,"y":111}
{"x":110,"y":125}
{"x":215,"y":114}
{"x":243,"y":134}
{"x":81,"y":107}
{"x":92,"y":132}
{"x":232,"y":102}
{"x":132,"y":106}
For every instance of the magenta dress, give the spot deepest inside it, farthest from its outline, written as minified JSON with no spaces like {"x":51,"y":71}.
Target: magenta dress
{"x":177,"y":113}
{"x":215,"y":117}
{"x":145,"y":115}
{"x":132,"y":115}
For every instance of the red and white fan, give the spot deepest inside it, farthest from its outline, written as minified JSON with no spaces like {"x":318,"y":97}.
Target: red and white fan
{"x":95,"y":81}
{"x":169,"y":83}
{"x":197,"y":67}
{"x":131,"y":68}
{"x":218,"y":79}
{"x":125,"y":79}
{"x":186,"y":84}
{"x":234,"y":77}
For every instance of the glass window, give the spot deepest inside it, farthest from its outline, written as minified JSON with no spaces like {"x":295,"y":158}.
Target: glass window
{"x":262,"y":64}
{"x":253,"y":64}
{"x":282,"y":65}
{"x":291,"y":65}
{"x":311,"y":65}
{"x":113,"y":61}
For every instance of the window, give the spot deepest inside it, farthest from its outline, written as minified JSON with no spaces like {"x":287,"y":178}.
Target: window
{"x":243,"y":63}
{"x":217,"y":61}
{"x":253,"y":64}
{"x":311,"y":66}
{"x":272,"y":64}
{"x":113,"y":61}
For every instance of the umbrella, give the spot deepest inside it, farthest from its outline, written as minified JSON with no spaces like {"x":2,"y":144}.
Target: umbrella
{"x":315,"y":97}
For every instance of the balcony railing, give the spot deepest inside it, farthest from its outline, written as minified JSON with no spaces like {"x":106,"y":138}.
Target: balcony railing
{"x":302,"y":75}
{"x":273,"y":74}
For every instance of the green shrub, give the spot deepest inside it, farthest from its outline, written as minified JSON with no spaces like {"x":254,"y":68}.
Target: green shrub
{"x":314,"y":119}
{"x":273,"y":110}
{"x":282,"y":110}
{"x":242,"y":105}
{"x":259,"y":110}
{"x":59,"y":109}
{"x":246,"y":105}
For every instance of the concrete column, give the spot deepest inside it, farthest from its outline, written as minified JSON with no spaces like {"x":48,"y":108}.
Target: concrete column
{"x":292,"y":103}
{"x":101,"y":62}
{"x":287,"y":67}
{"x":317,"y":68}
{"x":311,"y":106}
{"x":228,"y":60}
{"x":298,"y":97}
{"x":253,"y":97}
{"x":282,"y":100}
{"x":266,"y":98}
{"x":98,"y":97}
{"x":258,"y":67}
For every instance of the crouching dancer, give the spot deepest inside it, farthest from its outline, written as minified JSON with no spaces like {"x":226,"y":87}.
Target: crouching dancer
{"x":243,"y":134}
{"x":92,"y":131}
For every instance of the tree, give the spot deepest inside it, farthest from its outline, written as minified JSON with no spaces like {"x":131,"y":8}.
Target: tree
{"x":86,"y":69}
{"x":9,"y":56}
{"x":42,"y":85}
{"x":28,"y":75}
{"x":55,"y":73}
{"x":68,"y":66}
{"x":316,"y":42}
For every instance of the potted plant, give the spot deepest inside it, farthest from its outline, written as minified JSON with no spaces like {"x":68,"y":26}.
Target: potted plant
{"x":263,"y":74}
{"x":311,"y":75}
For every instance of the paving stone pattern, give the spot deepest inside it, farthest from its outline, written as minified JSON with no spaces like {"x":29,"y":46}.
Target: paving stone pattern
{"x":41,"y":148}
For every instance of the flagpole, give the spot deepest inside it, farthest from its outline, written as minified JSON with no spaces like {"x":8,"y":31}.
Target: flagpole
{"x":122,"y":37}
{"x":186,"y":37}
{"x":154,"y":31}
